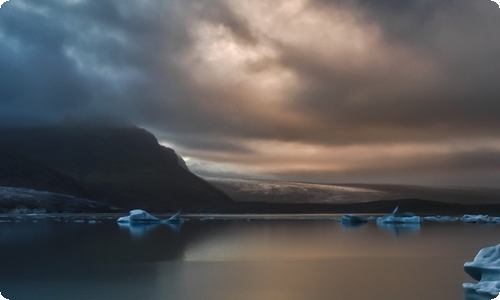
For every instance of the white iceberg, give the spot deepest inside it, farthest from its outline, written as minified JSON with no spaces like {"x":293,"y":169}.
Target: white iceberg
{"x":479,"y":219}
{"x":399,"y":218}
{"x":142,"y":216}
{"x":138,"y":216}
{"x":486,"y":269}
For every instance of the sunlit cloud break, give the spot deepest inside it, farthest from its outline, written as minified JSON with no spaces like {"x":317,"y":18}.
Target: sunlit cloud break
{"x":330,"y":90}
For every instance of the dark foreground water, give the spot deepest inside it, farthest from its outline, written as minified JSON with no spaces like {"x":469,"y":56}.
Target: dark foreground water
{"x":62,"y":259}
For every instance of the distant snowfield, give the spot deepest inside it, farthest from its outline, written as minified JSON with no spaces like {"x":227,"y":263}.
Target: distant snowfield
{"x":253,"y":190}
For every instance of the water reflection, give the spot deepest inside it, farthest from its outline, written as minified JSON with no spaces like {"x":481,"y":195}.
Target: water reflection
{"x":400,"y":228}
{"x":353,"y":225}
{"x":241,"y":260}
{"x":139,"y":231}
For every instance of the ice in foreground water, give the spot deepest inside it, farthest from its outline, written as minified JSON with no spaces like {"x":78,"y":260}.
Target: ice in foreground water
{"x":142,"y":216}
{"x":139,"y":216}
{"x":486,"y":270}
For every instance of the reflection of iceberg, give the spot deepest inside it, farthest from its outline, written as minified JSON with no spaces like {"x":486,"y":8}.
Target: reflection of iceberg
{"x":399,"y":218}
{"x":351,"y":220}
{"x":138,"y":229}
{"x":480,"y":219}
{"x":397,"y":228}
{"x":486,"y":269}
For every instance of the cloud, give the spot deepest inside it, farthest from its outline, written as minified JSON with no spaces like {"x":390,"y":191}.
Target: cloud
{"x":329,"y":90}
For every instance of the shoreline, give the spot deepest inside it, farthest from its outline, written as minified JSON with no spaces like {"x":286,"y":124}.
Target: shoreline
{"x":381,"y":207}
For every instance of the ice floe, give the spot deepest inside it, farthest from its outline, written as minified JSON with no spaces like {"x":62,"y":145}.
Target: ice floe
{"x":138,"y":216}
{"x":142,"y":216}
{"x":486,"y":270}
{"x":480,"y":219}
{"x":439,"y":218}
{"x":398,"y":217}
{"x":352,"y":220}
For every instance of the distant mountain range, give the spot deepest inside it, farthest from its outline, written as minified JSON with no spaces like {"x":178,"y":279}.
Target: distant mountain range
{"x":108,"y":168}
{"x":122,"y":167}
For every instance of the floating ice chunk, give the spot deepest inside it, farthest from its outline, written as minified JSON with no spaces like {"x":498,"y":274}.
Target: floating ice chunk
{"x":2,"y":297}
{"x":176,"y":218}
{"x":351,"y":220}
{"x":138,"y":216}
{"x":479,"y":219}
{"x":486,"y":269}
{"x":440,"y":218}
{"x":396,"y":217}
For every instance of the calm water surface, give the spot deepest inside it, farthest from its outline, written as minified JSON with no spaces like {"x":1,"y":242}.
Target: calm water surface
{"x":61,"y":259}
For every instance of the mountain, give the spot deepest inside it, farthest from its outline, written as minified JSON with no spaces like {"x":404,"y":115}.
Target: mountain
{"x":119,"y":166}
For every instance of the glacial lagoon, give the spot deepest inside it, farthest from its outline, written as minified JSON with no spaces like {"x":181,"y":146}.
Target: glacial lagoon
{"x":244,"y":258}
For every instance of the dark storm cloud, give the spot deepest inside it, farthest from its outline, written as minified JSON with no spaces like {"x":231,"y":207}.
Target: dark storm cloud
{"x":83,"y":58}
{"x":272,"y":86}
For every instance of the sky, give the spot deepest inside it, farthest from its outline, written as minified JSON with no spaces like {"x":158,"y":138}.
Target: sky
{"x":331,"y":91}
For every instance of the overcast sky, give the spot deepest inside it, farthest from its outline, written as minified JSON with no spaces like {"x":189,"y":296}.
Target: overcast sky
{"x":397,"y":91}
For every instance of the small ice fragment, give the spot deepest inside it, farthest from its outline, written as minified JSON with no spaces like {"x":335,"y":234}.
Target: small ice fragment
{"x":176,"y":218}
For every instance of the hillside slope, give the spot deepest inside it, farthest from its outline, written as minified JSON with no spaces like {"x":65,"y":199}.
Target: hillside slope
{"x":120,"y":166}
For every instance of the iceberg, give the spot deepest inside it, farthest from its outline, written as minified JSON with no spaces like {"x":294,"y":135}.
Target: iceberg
{"x":138,"y":216}
{"x":399,"y":218}
{"x":351,"y":220}
{"x":486,"y":270}
{"x":142,"y":216}
{"x":479,"y":219}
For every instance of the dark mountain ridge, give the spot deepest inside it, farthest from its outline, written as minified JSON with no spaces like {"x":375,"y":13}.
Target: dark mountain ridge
{"x":119,"y":166}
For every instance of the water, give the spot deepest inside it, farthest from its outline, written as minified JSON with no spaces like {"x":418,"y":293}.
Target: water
{"x":60,"y":259}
